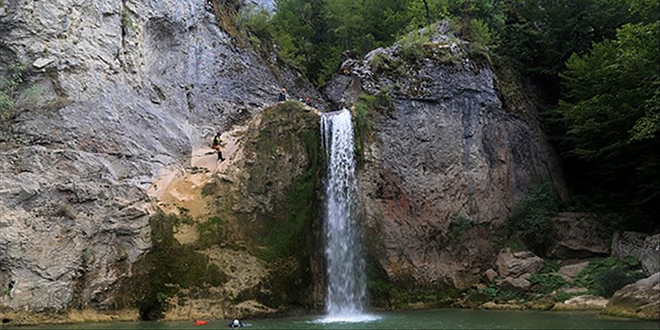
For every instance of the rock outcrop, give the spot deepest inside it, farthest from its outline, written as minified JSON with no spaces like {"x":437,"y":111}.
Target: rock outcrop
{"x":579,"y":236}
{"x":515,"y":264}
{"x":115,"y":93}
{"x":645,"y":248}
{"x":442,"y":152}
{"x":640,"y":299}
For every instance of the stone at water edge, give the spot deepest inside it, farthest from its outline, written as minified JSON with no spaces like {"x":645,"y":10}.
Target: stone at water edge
{"x":639,"y":300}
{"x":582,"y":303}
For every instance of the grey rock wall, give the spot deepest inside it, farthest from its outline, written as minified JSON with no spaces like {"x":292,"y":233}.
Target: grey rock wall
{"x":447,"y":150}
{"x":117,"y":90}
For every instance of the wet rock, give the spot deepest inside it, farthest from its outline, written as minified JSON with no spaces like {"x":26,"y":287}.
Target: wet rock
{"x":640,"y":299}
{"x":518,"y":263}
{"x":643,"y":247}
{"x":579,"y":236}
{"x":573,"y":270}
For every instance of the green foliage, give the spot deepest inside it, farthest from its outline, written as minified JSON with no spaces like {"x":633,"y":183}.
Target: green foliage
{"x":612,"y":117}
{"x":530,"y":220}
{"x":491,"y":291}
{"x":547,"y":283}
{"x":481,"y":39}
{"x":549,"y":266}
{"x":412,"y":46}
{"x":9,"y":85}
{"x":563,"y":296}
{"x":606,"y":276}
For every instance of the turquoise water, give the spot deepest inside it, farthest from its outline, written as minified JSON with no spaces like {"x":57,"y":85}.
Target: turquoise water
{"x":426,"y":319}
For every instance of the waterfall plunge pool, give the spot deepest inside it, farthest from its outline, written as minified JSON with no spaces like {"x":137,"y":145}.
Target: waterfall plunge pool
{"x":419,"y":319}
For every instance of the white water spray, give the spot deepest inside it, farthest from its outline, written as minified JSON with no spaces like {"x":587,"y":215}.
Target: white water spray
{"x":346,"y":282}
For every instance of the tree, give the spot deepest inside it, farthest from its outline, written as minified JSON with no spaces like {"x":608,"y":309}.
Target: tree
{"x":612,"y":113}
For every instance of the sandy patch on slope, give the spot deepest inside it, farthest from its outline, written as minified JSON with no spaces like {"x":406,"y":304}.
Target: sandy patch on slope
{"x":179,"y":190}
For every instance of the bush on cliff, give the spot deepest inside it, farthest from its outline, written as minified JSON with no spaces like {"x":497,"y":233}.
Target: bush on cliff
{"x":530,"y":221}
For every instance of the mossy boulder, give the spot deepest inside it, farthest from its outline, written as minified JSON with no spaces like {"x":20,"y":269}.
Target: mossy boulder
{"x":637,"y":300}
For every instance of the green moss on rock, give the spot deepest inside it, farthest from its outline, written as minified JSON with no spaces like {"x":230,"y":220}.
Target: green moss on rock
{"x":169,"y":267}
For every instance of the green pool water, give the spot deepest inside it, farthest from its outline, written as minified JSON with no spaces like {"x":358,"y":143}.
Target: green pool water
{"x":425,"y":319}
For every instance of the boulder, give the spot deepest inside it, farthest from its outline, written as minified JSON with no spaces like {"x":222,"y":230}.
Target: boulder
{"x":572,"y":271}
{"x":490,"y":275}
{"x":579,"y":236}
{"x":640,"y":299}
{"x":514,"y":284}
{"x":582,"y":303}
{"x":518,"y":263}
{"x":644,"y":247}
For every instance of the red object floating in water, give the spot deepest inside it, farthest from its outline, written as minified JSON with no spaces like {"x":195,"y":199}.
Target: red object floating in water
{"x":201,"y":322}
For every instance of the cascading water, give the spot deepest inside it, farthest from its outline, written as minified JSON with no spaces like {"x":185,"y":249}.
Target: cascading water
{"x":346,"y":283}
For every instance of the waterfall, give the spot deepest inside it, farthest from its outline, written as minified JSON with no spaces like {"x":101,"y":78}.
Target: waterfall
{"x":346,"y":280}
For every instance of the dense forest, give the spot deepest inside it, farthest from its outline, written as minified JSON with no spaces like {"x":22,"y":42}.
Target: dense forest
{"x":593,"y":66}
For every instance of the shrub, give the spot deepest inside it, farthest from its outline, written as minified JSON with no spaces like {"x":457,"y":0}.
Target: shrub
{"x":531,"y":219}
{"x":606,"y":276}
{"x":412,"y":46}
{"x":16,"y":74}
{"x":481,"y":39}
{"x":607,"y":282}
{"x":547,"y":282}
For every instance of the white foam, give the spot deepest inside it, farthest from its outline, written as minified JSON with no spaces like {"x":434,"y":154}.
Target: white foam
{"x":360,"y":318}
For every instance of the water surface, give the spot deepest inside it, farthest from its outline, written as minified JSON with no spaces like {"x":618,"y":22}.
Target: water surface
{"x":426,"y":319}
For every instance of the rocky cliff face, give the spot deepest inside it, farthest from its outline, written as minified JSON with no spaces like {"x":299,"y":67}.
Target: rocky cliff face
{"x":114,"y":93}
{"x":444,"y":160}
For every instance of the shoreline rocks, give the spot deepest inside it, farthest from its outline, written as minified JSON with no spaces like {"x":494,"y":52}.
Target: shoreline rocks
{"x":638,"y":300}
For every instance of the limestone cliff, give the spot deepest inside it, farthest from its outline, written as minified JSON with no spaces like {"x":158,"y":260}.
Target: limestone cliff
{"x":444,"y":160}
{"x":112,"y":96}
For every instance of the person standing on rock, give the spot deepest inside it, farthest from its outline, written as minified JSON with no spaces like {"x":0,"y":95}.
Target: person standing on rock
{"x":216,"y":146}
{"x":282,"y":96}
